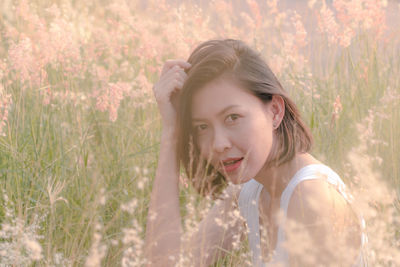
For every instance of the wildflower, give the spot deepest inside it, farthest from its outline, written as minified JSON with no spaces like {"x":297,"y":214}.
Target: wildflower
{"x":22,"y":60}
{"x":97,"y":250}
{"x":367,"y":14}
{"x":5,"y":103}
{"x":327,"y":24}
{"x":248,"y":21}
{"x":311,"y":3}
{"x":130,"y":207}
{"x":102,"y":197}
{"x":346,"y":37}
{"x":53,"y":190}
{"x":273,"y":6}
{"x":255,"y":9}
{"x":184,"y":181}
{"x":34,"y":249}
{"x":301,"y":33}
{"x":19,"y":246}
{"x":337,"y":108}
{"x":337,"y":105}
{"x":133,"y":252}
{"x":110,"y":98}
{"x":140,"y":185}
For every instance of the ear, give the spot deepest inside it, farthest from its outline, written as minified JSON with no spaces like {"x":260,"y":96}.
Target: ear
{"x":277,"y":109}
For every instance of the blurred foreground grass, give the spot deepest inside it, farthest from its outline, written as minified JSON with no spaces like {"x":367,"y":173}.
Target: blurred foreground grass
{"x":80,"y":129}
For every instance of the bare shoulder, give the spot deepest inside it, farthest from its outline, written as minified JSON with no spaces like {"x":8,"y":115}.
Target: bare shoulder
{"x":326,"y":220}
{"x":315,"y":199}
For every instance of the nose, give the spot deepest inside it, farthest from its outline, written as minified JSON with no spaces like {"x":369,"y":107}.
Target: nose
{"x":221,"y":141}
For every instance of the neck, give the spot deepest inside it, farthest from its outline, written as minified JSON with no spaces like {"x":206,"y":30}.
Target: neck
{"x":276,"y":178}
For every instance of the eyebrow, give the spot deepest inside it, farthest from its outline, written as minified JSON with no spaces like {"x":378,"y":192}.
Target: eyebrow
{"x":219,"y":113}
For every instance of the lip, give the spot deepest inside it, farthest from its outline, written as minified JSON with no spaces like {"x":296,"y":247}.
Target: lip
{"x":233,"y":167}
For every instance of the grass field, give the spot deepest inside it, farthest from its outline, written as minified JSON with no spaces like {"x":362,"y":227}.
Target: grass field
{"x":80,"y":129}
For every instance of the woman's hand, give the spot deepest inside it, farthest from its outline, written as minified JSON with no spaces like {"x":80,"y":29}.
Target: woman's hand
{"x":167,"y":90}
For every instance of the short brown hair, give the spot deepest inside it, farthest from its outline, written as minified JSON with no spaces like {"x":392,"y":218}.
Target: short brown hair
{"x":209,"y":61}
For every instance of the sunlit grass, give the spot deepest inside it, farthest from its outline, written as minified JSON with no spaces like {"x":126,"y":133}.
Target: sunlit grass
{"x":81,"y":131}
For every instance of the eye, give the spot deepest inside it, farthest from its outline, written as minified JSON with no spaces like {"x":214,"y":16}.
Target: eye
{"x":200,"y":128}
{"x":232,"y":118}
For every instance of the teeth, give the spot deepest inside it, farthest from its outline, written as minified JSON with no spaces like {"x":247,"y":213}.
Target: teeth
{"x":231,"y":162}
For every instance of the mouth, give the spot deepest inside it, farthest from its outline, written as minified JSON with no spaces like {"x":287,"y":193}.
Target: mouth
{"x":231,"y":164}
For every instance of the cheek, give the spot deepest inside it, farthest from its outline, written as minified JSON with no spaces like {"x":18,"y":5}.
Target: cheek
{"x":261,"y":140}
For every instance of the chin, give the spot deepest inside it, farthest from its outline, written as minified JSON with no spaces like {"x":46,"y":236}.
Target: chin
{"x":237,"y":180}
{"x":236,"y":177}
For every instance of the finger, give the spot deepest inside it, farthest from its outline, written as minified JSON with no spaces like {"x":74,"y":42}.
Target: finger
{"x":176,"y":72}
{"x":174,"y":79}
{"x":183,"y":74}
{"x":173,"y":84}
{"x":171,"y":63}
{"x":168,"y":85}
{"x":178,"y":85}
{"x":180,"y":62}
{"x":167,"y":70}
{"x":172,"y":74}
{"x":180,"y":75}
{"x":181,"y":79}
{"x":178,"y":79}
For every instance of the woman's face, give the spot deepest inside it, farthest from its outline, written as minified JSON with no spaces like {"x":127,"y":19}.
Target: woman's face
{"x":232,"y":128}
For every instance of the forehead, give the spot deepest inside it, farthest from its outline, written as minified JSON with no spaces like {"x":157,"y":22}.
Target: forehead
{"x":218,"y":94}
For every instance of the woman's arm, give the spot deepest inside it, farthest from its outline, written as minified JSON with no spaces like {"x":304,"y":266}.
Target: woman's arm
{"x":163,"y":231}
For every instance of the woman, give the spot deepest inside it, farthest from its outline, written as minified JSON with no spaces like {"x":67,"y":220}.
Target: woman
{"x":227,"y":119}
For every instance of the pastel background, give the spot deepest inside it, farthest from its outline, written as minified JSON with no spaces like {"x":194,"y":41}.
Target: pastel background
{"x":80,"y":130}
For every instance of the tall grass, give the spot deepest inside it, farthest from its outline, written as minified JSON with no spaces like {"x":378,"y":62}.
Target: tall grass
{"x":80,"y":129}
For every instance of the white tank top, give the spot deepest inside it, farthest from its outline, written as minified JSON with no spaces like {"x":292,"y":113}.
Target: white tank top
{"x":248,"y":205}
